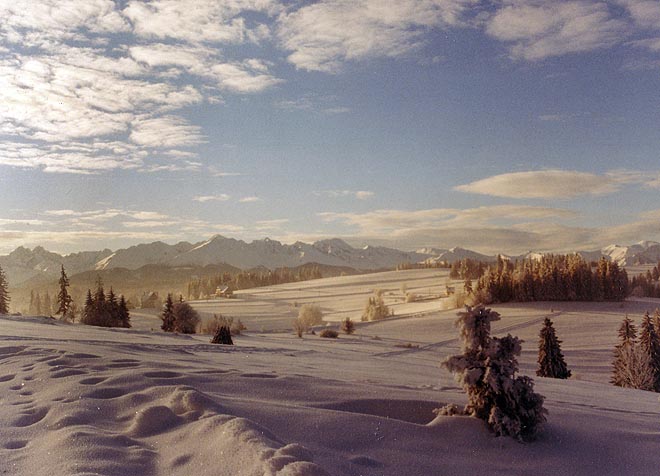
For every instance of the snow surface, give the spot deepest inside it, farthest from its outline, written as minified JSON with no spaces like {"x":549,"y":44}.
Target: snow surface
{"x":79,"y":400}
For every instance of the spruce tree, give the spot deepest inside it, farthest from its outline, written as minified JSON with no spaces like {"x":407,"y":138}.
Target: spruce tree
{"x":63,"y":298}
{"x":167,"y":316}
{"x":487,"y":371}
{"x":551,"y":360}
{"x":112,"y":309}
{"x":4,"y":293}
{"x":649,"y":342}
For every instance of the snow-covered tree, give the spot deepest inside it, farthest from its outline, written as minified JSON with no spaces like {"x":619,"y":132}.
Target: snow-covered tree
{"x":631,"y":365}
{"x":551,"y":360}
{"x":487,"y":371}
{"x":4,"y":293}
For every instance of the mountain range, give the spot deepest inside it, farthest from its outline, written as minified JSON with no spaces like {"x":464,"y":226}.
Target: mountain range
{"x":24,"y":264}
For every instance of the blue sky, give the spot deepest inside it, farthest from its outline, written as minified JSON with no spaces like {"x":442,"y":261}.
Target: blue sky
{"x":501,"y":126}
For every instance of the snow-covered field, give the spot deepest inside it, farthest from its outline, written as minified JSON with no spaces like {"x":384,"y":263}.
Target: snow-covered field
{"x":274,"y":307}
{"x":77,"y":400}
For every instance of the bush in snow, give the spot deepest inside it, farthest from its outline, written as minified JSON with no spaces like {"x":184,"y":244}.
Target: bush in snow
{"x":375,"y":308}
{"x":348,"y":326}
{"x":487,"y":371}
{"x":551,"y":360}
{"x":329,"y":334}
{"x":298,"y":327}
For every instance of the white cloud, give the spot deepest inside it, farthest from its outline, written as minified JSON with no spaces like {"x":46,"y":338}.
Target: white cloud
{"x":538,"y":29}
{"x":250,"y":199}
{"x":165,"y":132}
{"x":323,"y":35}
{"x":646,"y":13}
{"x":223,"y":197}
{"x":197,"y":20}
{"x":546,"y":184}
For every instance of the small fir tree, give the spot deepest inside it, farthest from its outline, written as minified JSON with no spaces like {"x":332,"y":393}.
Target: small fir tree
{"x":551,"y":360}
{"x":63,"y":298}
{"x":4,"y":293}
{"x":222,"y":336}
{"x":487,"y":371}
{"x":167,"y":316}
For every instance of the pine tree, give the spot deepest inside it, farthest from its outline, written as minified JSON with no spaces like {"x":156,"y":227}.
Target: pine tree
{"x":551,"y":360}
{"x":487,"y":371}
{"x":63,"y":298}
{"x":649,"y":342}
{"x":123,"y":314}
{"x":4,"y":293}
{"x":167,"y":316}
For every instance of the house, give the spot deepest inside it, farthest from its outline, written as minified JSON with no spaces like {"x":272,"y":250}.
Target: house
{"x":223,"y":291}
{"x":150,"y":300}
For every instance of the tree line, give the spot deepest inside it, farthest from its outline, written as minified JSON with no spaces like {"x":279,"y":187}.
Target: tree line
{"x":552,"y":278}
{"x":199,"y":288}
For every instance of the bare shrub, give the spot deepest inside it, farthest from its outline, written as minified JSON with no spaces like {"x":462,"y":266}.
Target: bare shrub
{"x":298,"y":327}
{"x":310,"y":315}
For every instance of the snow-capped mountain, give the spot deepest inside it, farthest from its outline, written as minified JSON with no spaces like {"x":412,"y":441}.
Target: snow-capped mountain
{"x":24,"y":264}
{"x":453,"y":254}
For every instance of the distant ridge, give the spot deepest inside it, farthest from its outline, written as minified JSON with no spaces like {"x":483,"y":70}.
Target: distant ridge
{"x":24,"y":264}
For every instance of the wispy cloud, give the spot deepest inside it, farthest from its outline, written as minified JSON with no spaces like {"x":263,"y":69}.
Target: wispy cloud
{"x":223,"y":197}
{"x":359,"y":194}
{"x":250,"y":199}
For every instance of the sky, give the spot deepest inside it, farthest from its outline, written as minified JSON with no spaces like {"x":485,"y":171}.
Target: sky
{"x":499,"y":126}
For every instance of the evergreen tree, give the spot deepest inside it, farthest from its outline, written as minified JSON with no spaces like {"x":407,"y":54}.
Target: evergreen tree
{"x":63,"y":298}
{"x":167,"y":316}
{"x":631,"y":366}
{"x":487,"y":371}
{"x":467,"y":286}
{"x":88,"y":309}
{"x":222,"y":336}
{"x":551,"y":360}
{"x":186,"y":318}
{"x":123,"y":314}
{"x":4,"y":293}
{"x":112,"y":309}
{"x":649,"y":342}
